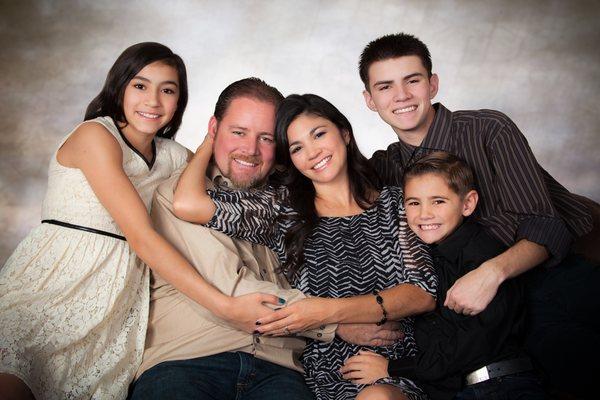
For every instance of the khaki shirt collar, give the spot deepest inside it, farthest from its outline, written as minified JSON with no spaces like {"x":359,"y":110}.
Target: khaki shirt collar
{"x":219,"y":180}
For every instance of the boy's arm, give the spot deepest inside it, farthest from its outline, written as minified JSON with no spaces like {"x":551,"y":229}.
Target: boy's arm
{"x":455,"y":344}
{"x":541,"y":234}
{"x":450,"y":345}
{"x":472,"y":293}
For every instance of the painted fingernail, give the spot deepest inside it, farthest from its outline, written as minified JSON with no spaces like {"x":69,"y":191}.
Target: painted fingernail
{"x":258,"y":322}
{"x":256,"y":332}
{"x":281,"y":301}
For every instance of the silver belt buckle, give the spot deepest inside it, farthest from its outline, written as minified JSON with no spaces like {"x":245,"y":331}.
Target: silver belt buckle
{"x":479,"y":375}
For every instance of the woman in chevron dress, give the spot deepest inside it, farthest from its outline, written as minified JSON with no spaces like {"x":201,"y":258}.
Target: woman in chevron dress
{"x":339,"y":238}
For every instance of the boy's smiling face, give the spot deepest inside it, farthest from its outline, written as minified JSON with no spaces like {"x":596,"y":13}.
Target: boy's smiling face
{"x":400,"y":91}
{"x":433,"y":209}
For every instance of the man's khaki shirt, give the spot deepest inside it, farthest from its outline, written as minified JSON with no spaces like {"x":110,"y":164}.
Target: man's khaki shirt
{"x":179,"y":328}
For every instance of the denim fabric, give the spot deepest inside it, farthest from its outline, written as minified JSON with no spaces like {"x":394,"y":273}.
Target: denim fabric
{"x":224,"y":376}
{"x":523,"y":386}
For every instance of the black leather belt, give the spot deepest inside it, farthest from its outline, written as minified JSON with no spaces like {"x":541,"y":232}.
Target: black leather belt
{"x":82,"y":228}
{"x":498,"y":369}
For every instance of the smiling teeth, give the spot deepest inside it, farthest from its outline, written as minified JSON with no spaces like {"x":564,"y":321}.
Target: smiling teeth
{"x":429,"y":227}
{"x":322,"y":163}
{"x":404,"y":110}
{"x":244,"y":163}
{"x":153,"y":116}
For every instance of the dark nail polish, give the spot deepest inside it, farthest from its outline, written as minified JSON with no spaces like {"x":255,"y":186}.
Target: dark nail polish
{"x":256,"y":332}
{"x":257,"y":322}
{"x":281,"y":301}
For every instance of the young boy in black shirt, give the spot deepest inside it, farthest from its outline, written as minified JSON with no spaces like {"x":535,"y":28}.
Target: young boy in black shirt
{"x":475,"y":355}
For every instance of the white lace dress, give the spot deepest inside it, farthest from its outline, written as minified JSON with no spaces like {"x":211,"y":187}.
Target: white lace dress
{"x":74,"y":303}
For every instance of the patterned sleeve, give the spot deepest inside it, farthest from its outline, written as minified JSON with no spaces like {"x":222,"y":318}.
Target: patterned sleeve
{"x":251,"y":215}
{"x":417,"y":262}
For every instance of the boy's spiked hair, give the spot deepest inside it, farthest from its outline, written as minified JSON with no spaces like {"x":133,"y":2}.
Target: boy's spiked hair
{"x":392,"y":46}
{"x":455,"y":171}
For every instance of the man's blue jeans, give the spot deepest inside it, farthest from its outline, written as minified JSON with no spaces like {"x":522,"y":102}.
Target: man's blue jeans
{"x":224,"y":376}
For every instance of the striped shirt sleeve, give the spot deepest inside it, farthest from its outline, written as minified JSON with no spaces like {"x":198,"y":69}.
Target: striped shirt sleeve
{"x":524,"y":194}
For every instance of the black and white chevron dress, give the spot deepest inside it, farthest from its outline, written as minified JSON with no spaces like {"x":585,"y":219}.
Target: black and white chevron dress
{"x":344,"y":256}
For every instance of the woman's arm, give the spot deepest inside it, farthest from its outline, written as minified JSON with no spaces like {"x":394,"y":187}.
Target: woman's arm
{"x":97,"y":154}
{"x":191,"y":202}
{"x":415,"y":295}
{"x":399,"y":301}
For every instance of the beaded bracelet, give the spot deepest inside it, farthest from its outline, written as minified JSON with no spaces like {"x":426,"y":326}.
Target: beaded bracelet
{"x":379,"y":300}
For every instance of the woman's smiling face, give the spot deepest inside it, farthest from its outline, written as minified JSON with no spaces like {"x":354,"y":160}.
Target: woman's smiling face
{"x":318,"y":148}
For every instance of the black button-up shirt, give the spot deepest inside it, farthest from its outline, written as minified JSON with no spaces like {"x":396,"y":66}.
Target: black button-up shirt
{"x":452,"y":345}
{"x":518,"y":198}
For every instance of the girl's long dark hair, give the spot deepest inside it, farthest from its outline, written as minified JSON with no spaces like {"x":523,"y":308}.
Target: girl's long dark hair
{"x":109,"y":101}
{"x":363,"y":178}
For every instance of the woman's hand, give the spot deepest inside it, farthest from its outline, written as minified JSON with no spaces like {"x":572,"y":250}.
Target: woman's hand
{"x":242,"y":312}
{"x":365,"y":368}
{"x":206,"y":147}
{"x":190,"y":200}
{"x":303,"y":315}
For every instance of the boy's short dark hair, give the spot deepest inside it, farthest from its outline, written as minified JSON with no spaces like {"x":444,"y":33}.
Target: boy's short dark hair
{"x":392,"y":46}
{"x":455,"y":171}
{"x":253,"y":88}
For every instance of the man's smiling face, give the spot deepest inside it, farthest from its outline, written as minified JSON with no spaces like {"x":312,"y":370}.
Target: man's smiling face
{"x":400,"y":91}
{"x":244,"y":146}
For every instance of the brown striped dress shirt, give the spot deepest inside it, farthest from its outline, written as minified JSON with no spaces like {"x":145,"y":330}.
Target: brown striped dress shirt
{"x":518,"y":198}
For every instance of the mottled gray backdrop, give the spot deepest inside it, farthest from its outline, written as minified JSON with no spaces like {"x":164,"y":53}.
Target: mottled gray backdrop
{"x":538,"y":61}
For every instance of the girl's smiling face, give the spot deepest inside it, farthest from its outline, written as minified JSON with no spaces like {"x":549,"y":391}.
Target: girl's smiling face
{"x":150,"y":99}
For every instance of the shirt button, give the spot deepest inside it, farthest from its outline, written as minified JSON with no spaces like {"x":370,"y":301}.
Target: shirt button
{"x":319,"y":334}
{"x":257,"y":340}
{"x":322,"y":327}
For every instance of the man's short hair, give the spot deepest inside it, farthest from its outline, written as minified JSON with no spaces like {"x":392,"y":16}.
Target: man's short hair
{"x":455,"y":171}
{"x":249,"y":87}
{"x":392,"y":46}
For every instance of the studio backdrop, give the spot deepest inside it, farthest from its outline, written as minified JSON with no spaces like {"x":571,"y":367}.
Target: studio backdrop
{"x":537,"y":61}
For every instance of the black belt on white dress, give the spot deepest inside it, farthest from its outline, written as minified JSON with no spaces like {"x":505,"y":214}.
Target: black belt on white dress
{"x":83,"y":228}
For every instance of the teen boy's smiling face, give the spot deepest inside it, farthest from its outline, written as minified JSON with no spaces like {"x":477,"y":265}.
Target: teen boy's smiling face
{"x":433,"y":209}
{"x":400,"y":92}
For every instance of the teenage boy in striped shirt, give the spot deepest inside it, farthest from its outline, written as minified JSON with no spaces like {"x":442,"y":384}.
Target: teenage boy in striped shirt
{"x":520,"y":204}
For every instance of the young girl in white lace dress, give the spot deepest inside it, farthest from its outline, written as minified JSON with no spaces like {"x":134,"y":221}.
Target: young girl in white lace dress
{"x":74,"y":294}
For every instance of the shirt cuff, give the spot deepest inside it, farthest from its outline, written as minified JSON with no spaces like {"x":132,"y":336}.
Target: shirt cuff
{"x":404,"y":367}
{"x":549,"y":232}
{"x":324,"y":333}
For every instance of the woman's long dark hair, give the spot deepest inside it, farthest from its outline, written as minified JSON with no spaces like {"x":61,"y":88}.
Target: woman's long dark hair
{"x":109,"y":101}
{"x":363,"y":178}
